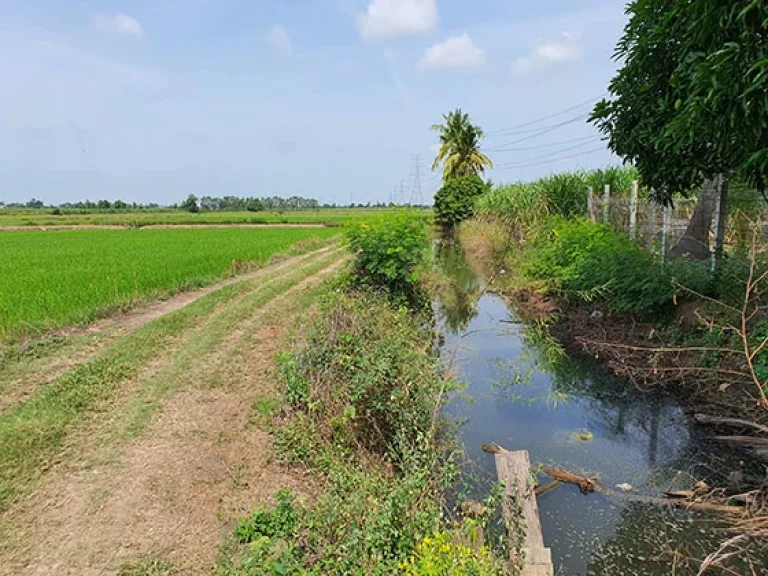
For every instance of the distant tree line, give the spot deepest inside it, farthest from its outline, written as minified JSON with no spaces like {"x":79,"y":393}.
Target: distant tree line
{"x":193,"y":204}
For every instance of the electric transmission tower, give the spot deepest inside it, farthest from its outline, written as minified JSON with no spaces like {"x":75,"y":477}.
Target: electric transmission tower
{"x":417,"y":198}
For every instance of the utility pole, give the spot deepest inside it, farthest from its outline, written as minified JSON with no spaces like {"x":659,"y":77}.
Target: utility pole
{"x":401,"y":193}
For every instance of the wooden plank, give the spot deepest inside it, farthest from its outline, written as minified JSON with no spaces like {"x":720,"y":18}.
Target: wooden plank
{"x":514,"y":470}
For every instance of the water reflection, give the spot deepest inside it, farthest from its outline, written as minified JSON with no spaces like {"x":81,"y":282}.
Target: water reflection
{"x":459,"y":296}
{"x":513,"y":373}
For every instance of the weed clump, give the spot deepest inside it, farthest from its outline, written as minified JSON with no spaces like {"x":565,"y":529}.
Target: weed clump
{"x":365,"y":400}
{"x":587,"y":261}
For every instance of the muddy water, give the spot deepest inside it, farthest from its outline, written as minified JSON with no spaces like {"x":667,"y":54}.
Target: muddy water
{"x":570,"y":413}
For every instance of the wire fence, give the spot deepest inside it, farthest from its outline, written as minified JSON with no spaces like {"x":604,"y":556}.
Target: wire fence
{"x":725,"y":222}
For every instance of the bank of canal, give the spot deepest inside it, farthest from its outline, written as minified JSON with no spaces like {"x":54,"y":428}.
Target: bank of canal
{"x":572,"y":414}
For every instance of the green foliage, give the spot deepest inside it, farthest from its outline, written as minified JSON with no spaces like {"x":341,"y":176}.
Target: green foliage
{"x":518,"y":205}
{"x":566,"y":194}
{"x":523,"y":204}
{"x":390,"y":252}
{"x":365,"y":423}
{"x":277,"y":522}
{"x":455,"y":201}
{"x":688,"y":109}
{"x":367,"y":377}
{"x":589,"y":261}
{"x":438,"y":555}
{"x":254,"y":205}
{"x":149,"y":565}
{"x":190,"y":204}
{"x":460,"y":147}
{"x":105,"y":270}
{"x":263,"y":410}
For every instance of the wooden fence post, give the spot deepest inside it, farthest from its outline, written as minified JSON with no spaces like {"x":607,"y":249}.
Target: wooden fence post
{"x":633,"y":210}
{"x":607,"y":204}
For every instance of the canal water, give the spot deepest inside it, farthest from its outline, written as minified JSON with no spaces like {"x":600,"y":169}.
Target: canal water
{"x":569,"y":413}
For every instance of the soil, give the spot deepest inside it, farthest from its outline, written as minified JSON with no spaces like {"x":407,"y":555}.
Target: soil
{"x":177,"y":488}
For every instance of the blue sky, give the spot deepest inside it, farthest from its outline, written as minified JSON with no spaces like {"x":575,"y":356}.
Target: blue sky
{"x":151,"y":100}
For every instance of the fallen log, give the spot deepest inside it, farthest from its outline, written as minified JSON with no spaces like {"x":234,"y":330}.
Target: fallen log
{"x":586,"y":485}
{"x":707,"y":420}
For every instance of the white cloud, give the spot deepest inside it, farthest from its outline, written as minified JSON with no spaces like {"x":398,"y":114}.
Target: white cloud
{"x":278,"y":38}
{"x":456,"y":52}
{"x":393,"y":18}
{"x":120,"y":23}
{"x":545,"y":54}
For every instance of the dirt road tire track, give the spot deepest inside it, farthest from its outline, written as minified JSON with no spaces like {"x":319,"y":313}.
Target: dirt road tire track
{"x":179,"y":485}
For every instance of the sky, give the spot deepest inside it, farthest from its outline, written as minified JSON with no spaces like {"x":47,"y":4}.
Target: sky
{"x":151,"y":100}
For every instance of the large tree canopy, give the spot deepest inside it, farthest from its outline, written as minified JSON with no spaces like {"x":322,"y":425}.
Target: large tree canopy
{"x":459,"y":147}
{"x":691,"y":98}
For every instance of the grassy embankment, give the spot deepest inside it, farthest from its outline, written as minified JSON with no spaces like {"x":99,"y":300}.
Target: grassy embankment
{"x":59,"y":278}
{"x":327,"y":217}
{"x":600,"y":292}
{"x":361,"y":402}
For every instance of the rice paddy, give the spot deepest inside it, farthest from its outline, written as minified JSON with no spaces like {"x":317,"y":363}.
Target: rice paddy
{"x":50,"y":279}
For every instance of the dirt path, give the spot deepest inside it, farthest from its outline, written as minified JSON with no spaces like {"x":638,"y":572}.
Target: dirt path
{"x":87,"y":342}
{"x":174,"y":484}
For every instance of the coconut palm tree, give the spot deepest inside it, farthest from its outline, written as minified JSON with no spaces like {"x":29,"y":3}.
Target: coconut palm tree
{"x":459,"y":147}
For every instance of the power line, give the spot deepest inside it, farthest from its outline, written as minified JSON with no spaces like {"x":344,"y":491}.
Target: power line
{"x":567,"y":157}
{"x":539,"y":132}
{"x":510,"y":129}
{"x":550,"y":144}
{"x":548,"y":155}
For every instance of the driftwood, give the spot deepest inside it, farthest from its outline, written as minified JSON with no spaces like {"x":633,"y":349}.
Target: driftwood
{"x":547,"y":487}
{"x":586,"y":485}
{"x":702,"y":506}
{"x":730,"y":422}
{"x":680,"y":499}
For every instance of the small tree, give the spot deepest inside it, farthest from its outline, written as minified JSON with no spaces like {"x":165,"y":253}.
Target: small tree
{"x":688,"y":103}
{"x":254,"y":205}
{"x":455,"y":201}
{"x":190,"y":204}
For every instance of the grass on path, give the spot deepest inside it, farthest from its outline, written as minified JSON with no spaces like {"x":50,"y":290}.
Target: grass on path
{"x":32,"y":432}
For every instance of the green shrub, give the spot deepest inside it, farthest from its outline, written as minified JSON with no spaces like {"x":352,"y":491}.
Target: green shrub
{"x":368,"y":377}
{"x":438,"y":555}
{"x":455,"y":201}
{"x":278,"y":522}
{"x":363,"y":418}
{"x":390,"y":252}
{"x":587,"y":261}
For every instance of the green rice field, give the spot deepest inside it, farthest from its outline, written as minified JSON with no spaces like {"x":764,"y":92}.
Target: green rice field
{"x":50,"y":279}
{"x":326,"y":217}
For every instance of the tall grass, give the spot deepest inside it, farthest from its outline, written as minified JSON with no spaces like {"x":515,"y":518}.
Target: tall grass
{"x":522,"y":204}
